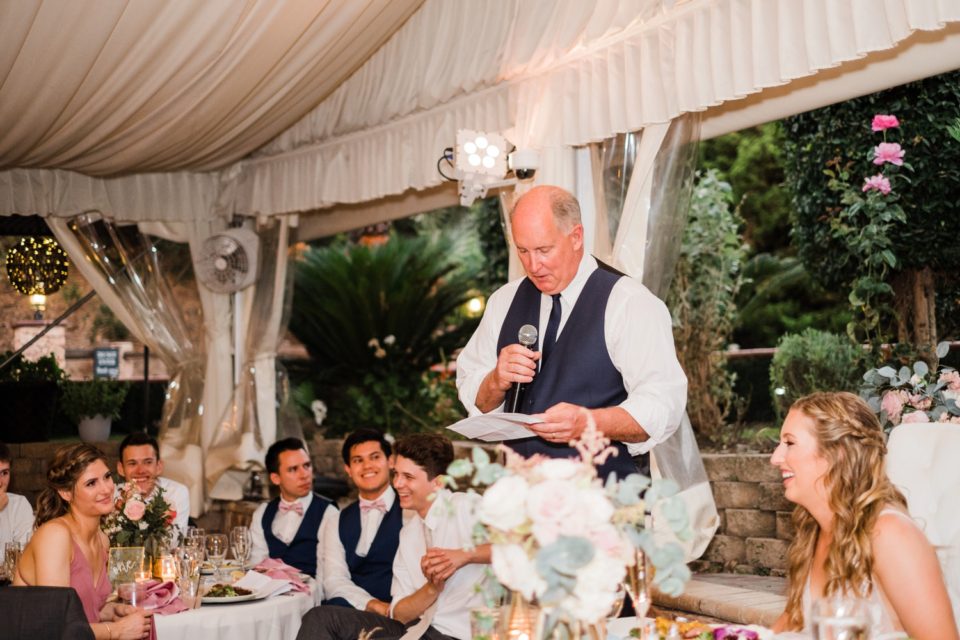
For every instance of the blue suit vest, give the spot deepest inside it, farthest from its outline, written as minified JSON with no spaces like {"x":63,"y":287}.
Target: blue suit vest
{"x":373,"y":573}
{"x":302,"y":550}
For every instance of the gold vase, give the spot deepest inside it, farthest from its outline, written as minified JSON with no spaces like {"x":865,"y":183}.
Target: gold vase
{"x":520,"y":618}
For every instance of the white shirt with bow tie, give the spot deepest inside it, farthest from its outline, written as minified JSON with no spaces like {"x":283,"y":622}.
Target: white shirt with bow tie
{"x":337,"y":582}
{"x":285,"y":526}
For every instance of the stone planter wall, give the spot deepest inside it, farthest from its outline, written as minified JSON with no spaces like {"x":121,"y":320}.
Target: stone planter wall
{"x":755,"y":527}
{"x":30,"y":461}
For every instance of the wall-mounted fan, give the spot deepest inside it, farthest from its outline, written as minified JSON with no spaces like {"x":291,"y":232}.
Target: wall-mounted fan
{"x":228,"y":260}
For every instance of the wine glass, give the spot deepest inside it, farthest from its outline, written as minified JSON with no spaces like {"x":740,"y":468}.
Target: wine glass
{"x":216,"y":551}
{"x":637,"y":584}
{"x":840,"y":618}
{"x":242,"y":545}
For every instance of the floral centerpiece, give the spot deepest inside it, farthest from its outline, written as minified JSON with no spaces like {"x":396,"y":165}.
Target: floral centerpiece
{"x":563,"y":538}
{"x":913,"y":394}
{"x":141,"y":522}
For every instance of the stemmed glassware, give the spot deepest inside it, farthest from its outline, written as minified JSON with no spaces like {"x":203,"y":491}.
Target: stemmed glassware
{"x":242,"y":545}
{"x":637,"y":584}
{"x":216,"y":551}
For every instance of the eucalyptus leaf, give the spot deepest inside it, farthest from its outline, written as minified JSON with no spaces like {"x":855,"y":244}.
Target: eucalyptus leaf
{"x":920,"y":368}
{"x":480,"y":457}
{"x":943,"y":349}
{"x":460,"y":468}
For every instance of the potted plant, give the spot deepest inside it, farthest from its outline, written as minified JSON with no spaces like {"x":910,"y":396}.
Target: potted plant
{"x":92,"y":405}
{"x":28,"y":395}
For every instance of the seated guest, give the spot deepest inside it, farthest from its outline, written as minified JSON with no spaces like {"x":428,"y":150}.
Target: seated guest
{"x":140,"y":463}
{"x":290,"y":527}
{"x":436,"y":571}
{"x":16,"y":514}
{"x":358,"y":557}
{"x":853,"y":534}
{"x":69,"y":549}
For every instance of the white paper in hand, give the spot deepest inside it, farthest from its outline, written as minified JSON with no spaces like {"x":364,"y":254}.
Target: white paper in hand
{"x":496,"y":427}
{"x":263,"y":585}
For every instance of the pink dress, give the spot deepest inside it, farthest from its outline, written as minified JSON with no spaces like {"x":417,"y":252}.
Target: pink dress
{"x":93,"y":596}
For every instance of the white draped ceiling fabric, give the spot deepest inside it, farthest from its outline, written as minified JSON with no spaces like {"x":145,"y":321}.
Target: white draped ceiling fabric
{"x":191,"y":111}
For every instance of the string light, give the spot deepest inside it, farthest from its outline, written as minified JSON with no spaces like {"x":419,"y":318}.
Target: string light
{"x":37,"y":266}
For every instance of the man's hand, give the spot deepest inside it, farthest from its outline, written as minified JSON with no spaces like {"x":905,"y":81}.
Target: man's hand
{"x":562,"y":423}
{"x":378,"y":606}
{"x":440,"y":564}
{"x":515,"y":363}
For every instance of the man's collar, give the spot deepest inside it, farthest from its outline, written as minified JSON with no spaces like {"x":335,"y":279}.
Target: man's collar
{"x":388,"y":496}
{"x":570,"y":294}
{"x":438,"y":509}
{"x":305,"y":501}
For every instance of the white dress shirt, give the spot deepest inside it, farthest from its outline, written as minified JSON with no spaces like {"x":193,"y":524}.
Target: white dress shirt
{"x":451,"y":521}
{"x":337,"y":582}
{"x":176,"y":495}
{"x":16,"y":521}
{"x":639,"y":339}
{"x":285,"y":526}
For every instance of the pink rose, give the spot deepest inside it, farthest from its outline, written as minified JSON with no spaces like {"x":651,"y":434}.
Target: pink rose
{"x":134,"y":510}
{"x":952,"y":379}
{"x":884,"y":122}
{"x":878,"y":183}
{"x":915,"y":417}
{"x":920,"y":402}
{"x":888,"y":152}
{"x":892,"y":403}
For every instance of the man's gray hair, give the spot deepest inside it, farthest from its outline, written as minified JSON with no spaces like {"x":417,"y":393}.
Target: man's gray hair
{"x":566,"y":209}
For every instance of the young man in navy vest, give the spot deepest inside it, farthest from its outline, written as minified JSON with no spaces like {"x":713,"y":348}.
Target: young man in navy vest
{"x":605,"y":344}
{"x":358,"y":553}
{"x":437,"y":570}
{"x":290,"y":527}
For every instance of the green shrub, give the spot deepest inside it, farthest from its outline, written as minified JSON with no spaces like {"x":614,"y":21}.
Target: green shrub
{"x":94,"y":397}
{"x":44,"y":369}
{"x":813,"y":361}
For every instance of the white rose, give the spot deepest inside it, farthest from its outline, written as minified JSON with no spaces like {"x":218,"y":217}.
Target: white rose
{"x":559,"y":468}
{"x":554,"y":507}
{"x":596,"y":589}
{"x":515,"y":570}
{"x":502,"y":505}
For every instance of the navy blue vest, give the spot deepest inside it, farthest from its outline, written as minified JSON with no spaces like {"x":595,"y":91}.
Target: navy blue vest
{"x":579,"y":370}
{"x":302,"y":550}
{"x":373,"y":573}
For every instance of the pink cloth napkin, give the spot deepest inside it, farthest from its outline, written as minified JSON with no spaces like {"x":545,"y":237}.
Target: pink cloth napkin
{"x":163,"y":598}
{"x":280,"y":570}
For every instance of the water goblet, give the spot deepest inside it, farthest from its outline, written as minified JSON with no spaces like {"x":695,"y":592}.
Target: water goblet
{"x":840,"y":618}
{"x":242,"y":545}
{"x":11,"y":557}
{"x":216,"y":551}
{"x":637,"y":584}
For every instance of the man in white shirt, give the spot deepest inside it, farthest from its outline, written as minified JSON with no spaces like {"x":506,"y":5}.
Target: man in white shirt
{"x":605,"y":344}
{"x":16,"y":514}
{"x":358,"y":554}
{"x":291,"y":526}
{"x":140,"y":463}
{"x":437,"y":569}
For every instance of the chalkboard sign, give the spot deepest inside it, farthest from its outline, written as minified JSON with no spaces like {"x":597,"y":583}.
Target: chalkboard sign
{"x":106,"y":363}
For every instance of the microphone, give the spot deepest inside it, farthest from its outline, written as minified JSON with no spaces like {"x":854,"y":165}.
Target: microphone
{"x":527,"y":337}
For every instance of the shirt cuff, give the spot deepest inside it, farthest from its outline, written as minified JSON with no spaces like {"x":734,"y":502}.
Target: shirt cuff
{"x":653,"y":418}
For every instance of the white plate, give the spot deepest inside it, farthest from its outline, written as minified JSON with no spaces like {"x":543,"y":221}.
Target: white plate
{"x":230,"y":600}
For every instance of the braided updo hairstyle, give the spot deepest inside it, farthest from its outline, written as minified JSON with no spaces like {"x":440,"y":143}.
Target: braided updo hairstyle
{"x":68,"y":465}
{"x":851,"y":440}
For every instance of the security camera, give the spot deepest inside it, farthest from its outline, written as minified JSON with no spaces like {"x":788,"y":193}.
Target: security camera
{"x":524,"y":163}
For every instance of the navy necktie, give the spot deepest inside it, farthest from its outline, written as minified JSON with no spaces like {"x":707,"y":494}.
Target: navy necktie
{"x":553,"y":325}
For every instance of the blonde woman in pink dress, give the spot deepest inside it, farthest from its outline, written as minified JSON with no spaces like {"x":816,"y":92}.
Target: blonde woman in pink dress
{"x":68,"y":548}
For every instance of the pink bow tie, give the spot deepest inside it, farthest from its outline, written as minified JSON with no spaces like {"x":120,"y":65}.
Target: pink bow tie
{"x":292,"y":506}
{"x":373,"y":505}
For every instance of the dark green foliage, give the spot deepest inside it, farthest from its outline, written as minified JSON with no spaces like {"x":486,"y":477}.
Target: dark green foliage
{"x":813,"y":361}
{"x":20,"y":369}
{"x":107,"y":326}
{"x":86,"y":399}
{"x":375,"y":320}
{"x":840,"y":136}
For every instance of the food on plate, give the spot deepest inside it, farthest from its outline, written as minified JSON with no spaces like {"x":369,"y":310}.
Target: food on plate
{"x":687,"y":629}
{"x":227,"y":591}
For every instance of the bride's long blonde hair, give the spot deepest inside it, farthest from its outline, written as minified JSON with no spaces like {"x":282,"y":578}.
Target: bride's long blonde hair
{"x":849,"y":436}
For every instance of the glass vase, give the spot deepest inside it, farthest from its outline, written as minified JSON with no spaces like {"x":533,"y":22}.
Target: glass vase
{"x":519,"y":619}
{"x":637,"y":584}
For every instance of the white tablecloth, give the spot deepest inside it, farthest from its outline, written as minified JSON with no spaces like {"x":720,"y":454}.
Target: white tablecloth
{"x":276,"y":618}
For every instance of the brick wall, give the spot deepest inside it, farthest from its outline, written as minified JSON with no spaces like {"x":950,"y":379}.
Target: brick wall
{"x":755,"y":526}
{"x":30,"y":461}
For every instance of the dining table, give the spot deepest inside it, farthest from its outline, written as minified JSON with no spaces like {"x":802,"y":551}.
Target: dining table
{"x":274,"y":618}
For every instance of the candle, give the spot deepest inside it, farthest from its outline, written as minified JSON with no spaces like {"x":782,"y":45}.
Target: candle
{"x":168,"y":568}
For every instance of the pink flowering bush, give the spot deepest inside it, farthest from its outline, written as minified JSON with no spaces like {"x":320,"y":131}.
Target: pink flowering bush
{"x":913,"y":394}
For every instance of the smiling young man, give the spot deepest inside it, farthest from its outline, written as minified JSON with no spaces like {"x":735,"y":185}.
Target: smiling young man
{"x":140,"y":463}
{"x":358,"y":554}
{"x":16,"y":514}
{"x":437,"y":569}
{"x":290,"y":526}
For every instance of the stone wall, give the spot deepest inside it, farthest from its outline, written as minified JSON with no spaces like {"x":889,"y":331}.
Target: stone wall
{"x":755,"y":527}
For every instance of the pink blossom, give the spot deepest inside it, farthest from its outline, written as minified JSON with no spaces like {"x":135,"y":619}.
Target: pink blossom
{"x":920,"y":402}
{"x":878,"y":183}
{"x":134,"y":510}
{"x":888,"y":152}
{"x":953,"y":419}
{"x":884,"y":122}
{"x":914,"y":417}
{"x":952,"y":379}
{"x":892,"y":403}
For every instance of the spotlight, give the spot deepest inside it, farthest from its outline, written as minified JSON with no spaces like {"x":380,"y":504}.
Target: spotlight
{"x":482,"y":153}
